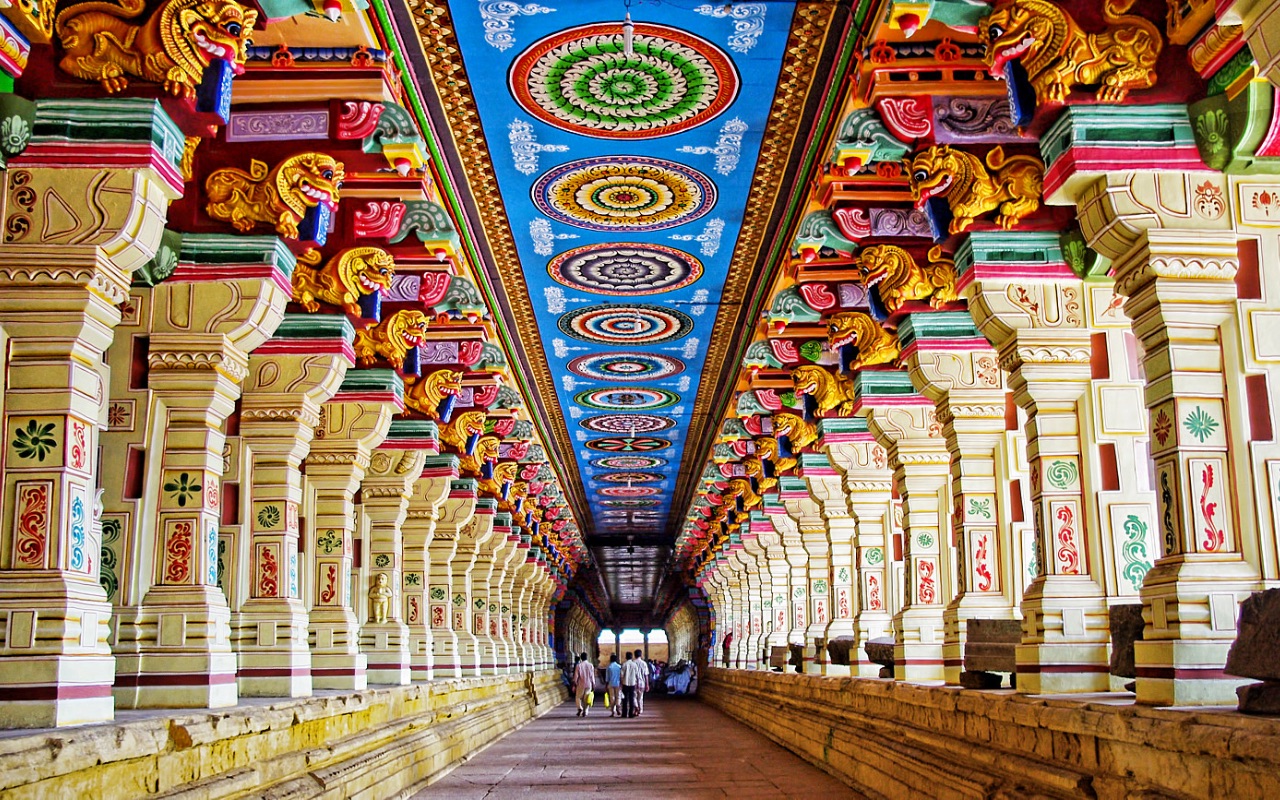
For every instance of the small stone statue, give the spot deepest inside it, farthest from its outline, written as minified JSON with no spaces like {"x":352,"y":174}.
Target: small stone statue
{"x":379,"y":599}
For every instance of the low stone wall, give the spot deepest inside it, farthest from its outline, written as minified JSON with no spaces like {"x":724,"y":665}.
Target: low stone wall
{"x":375,"y":744}
{"x":899,"y":740}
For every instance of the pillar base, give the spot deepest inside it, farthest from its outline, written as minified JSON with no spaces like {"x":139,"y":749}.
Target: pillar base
{"x":386,"y":652}
{"x":55,"y":691}
{"x":176,"y":680}
{"x":1185,"y":673}
{"x":1074,"y":636}
{"x":446,"y":659}
{"x":339,"y":671}
{"x":917,"y":649}
{"x":275,"y":657}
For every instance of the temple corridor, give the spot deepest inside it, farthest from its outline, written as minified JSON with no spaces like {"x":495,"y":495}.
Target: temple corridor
{"x":667,"y":752}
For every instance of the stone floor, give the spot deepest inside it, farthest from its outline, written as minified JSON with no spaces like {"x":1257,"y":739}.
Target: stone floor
{"x":680,"y":748}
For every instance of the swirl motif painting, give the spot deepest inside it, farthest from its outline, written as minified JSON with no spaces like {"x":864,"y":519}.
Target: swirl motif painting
{"x":629,"y":269}
{"x":631,"y":193}
{"x":625,"y":325}
{"x":626,"y":366}
{"x":624,"y":398}
{"x":582,"y":80}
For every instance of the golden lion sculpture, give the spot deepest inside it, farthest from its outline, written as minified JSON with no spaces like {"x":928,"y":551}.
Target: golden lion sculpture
{"x":392,"y":338}
{"x":1058,"y":56}
{"x":277,"y":197}
{"x":171,"y":47}
{"x":875,"y":344}
{"x":425,"y":394}
{"x":900,"y":278}
{"x":354,"y":272}
{"x":832,"y":392}
{"x":971,"y":191}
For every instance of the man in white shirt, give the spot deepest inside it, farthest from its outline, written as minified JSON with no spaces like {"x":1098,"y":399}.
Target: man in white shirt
{"x":584,"y":680}
{"x":643,"y":685}
{"x":632,"y":675}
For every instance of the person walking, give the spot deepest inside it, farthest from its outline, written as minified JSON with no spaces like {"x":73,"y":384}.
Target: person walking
{"x":631,"y":676}
{"x":584,"y":680}
{"x":613,"y":685}
{"x":643,"y":685}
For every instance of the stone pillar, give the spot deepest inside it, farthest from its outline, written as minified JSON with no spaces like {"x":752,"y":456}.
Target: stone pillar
{"x":769,"y":536}
{"x":472,"y":566}
{"x":1178,"y":267}
{"x":828,"y":494}
{"x":756,"y":557}
{"x":1029,"y":304}
{"x":955,"y":367}
{"x":352,"y":424}
{"x":388,"y":485}
{"x":505,"y":549}
{"x":455,"y":513}
{"x":525,"y":572}
{"x":174,"y":648}
{"x":290,"y":378}
{"x":868,"y":490}
{"x":806,"y":513}
{"x":645,"y":632}
{"x":906,"y":425}
{"x":65,"y":278}
{"x":797,"y":582}
{"x":426,"y":604}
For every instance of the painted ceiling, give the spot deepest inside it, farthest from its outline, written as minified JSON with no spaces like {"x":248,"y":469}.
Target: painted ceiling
{"x":624,"y":163}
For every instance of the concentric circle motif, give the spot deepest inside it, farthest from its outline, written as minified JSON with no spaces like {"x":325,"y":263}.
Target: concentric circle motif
{"x":631,"y":503}
{"x":624,"y":193}
{"x":629,"y":462}
{"x":633,"y":477}
{"x":627,"y":444}
{"x":626,"y":366}
{"x":630,"y":491}
{"x":628,"y":423}
{"x":617,"y":324}
{"x":582,"y":80}
{"x":623,"y":398}
{"x":625,"y":268}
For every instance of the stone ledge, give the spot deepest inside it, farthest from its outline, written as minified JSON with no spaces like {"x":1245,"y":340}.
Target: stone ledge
{"x":376,"y":743}
{"x":892,"y":739}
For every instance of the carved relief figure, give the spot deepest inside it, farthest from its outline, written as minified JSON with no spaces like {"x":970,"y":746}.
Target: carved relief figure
{"x":392,"y":339}
{"x":424,"y":395}
{"x":486,"y":450}
{"x":832,"y":392}
{"x":801,"y":433}
{"x":379,"y":599}
{"x":461,"y":428}
{"x":354,"y":272}
{"x":172,"y":47}
{"x":970,"y":190}
{"x":277,"y":197}
{"x":1057,"y":55}
{"x":900,"y":278}
{"x":875,"y":344}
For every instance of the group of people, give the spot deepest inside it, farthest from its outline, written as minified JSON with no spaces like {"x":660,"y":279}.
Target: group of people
{"x":625,"y":684}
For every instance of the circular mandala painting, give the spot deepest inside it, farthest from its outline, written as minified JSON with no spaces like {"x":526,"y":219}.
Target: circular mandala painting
{"x":582,"y":80}
{"x":629,"y":462}
{"x":632,"y":193}
{"x":631,"y":503}
{"x":628,"y":444}
{"x":633,"y":477}
{"x":625,"y":268}
{"x":628,"y":423}
{"x":626,"y":366}
{"x":618,"y":397}
{"x":630,"y":491}
{"x":617,"y":324}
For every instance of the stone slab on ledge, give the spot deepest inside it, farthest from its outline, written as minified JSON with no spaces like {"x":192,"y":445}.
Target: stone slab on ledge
{"x":332,"y":746}
{"x":901,"y":740}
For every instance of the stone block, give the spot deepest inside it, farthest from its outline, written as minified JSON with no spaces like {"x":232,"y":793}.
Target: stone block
{"x":797,"y":656}
{"x":839,"y":650}
{"x":981,"y":680}
{"x":1259,"y":698}
{"x":1126,"y":628}
{"x":1256,"y":651}
{"x":778,"y":655}
{"x":991,"y":645}
{"x":880,"y":651}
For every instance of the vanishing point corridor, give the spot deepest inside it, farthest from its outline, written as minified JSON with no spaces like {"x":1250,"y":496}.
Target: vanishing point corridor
{"x":679,"y":748}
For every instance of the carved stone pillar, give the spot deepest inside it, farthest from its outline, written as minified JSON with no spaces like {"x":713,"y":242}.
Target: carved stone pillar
{"x":905,"y":424}
{"x":425,"y":603}
{"x":827,"y":492}
{"x":501,"y":580}
{"x":456,"y":512}
{"x":390,"y":481}
{"x":290,"y":378}
{"x":954,"y":366}
{"x":755,"y":553}
{"x":526,"y":580}
{"x":472,"y":564}
{"x":1029,"y":304}
{"x":770,"y":537}
{"x":1261,"y":22}
{"x":807,"y":514}
{"x":868,"y":490}
{"x":353,"y":423}
{"x":75,"y":231}
{"x":797,"y":581}
{"x":1175,"y":257}
{"x":174,"y":648}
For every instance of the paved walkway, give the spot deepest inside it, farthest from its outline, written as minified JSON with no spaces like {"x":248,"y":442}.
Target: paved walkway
{"x":680,"y":748}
